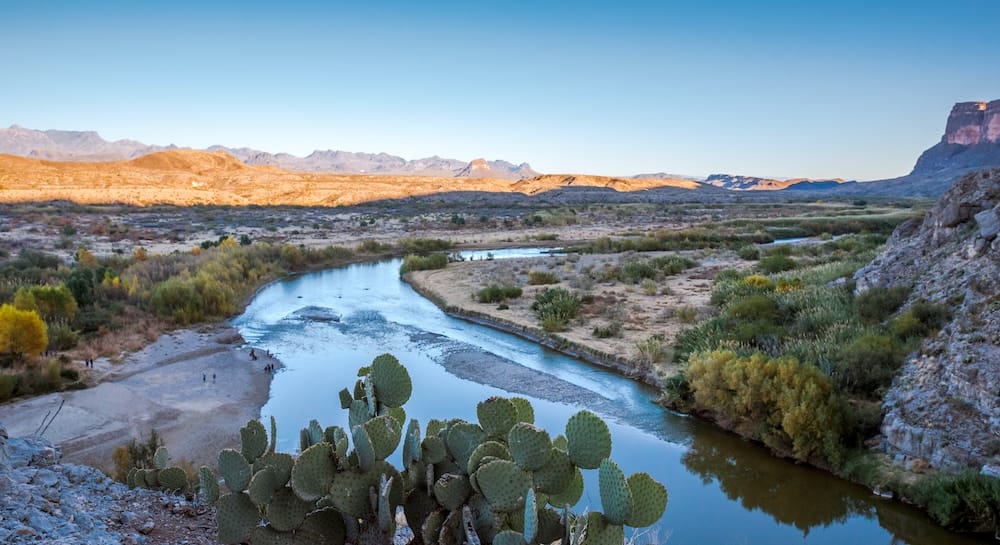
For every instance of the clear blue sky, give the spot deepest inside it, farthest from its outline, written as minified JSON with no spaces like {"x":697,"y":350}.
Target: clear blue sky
{"x":847,"y":88}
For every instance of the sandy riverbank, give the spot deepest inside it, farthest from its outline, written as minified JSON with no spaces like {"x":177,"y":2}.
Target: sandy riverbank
{"x":167,"y":386}
{"x":642,"y":315}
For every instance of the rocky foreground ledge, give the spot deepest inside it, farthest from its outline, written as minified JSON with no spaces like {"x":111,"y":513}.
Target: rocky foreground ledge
{"x":45,"y":501}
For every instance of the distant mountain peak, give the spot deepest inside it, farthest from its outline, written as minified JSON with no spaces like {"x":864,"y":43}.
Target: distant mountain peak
{"x":59,"y":145}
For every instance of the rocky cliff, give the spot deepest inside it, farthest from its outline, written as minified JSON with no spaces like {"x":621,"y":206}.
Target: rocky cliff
{"x":944,"y":407}
{"x":971,"y":141}
{"x":43,"y":500}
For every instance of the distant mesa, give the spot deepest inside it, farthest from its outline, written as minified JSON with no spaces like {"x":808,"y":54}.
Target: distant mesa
{"x":57,"y":145}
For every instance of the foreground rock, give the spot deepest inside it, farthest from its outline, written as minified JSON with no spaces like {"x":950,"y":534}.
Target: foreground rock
{"x":43,"y":500}
{"x":944,"y":407}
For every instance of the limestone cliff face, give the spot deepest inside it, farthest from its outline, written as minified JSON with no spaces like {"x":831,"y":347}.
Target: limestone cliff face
{"x":972,"y":123}
{"x":944,"y":407}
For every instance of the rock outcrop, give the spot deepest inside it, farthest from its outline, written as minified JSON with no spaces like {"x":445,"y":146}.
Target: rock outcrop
{"x":971,"y":141}
{"x":754,"y":183}
{"x":944,"y":407}
{"x":45,"y":501}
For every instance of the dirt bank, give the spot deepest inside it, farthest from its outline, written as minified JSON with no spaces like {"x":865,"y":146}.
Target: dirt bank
{"x":196,"y":387}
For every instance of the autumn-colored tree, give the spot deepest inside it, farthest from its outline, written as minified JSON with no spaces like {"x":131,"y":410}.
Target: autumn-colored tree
{"x":85,"y":258}
{"x":22,"y":332}
{"x":788,"y":405}
{"x":53,"y":303}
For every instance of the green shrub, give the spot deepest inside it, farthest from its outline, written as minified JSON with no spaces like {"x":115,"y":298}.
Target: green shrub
{"x":754,"y":307}
{"x":868,"y":364}
{"x":748,"y":253}
{"x":62,"y":337}
{"x":8,"y":385}
{"x":69,"y":374}
{"x":776,"y":263}
{"x":539,"y":278}
{"x":878,"y":303}
{"x":415,"y":262}
{"x":613,"y":329}
{"x":555,"y":307}
{"x":933,"y":316}
{"x":496,"y":293}
{"x":968,"y":501}
{"x":648,"y":286}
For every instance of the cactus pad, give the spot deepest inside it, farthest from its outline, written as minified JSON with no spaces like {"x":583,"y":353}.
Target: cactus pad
{"x":550,"y":527}
{"x":234,"y":469}
{"x":525,"y":412}
{"x":236,"y":516}
{"x":616,"y":498}
{"x":489,"y":448}
{"x":391,"y":380}
{"x":208,"y":485}
{"x":503,"y":484}
{"x":313,"y":472}
{"x":529,"y":446}
{"x":363,"y":448}
{"x":262,"y":487}
{"x":560,"y":443}
{"x":280,"y":463}
{"x":253,"y":440}
{"x":411,"y":443}
{"x":130,"y":477}
{"x":160,"y":458}
{"x":462,"y":440}
{"x":172,"y":478}
{"x":571,"y":494}
{"x":384,"y":433}
{"x":274,"y":436}
{"x":433,"y":449}
{"x":555,"y":475}
{"x":602,"y":532}
{"x":287,"y":511}
{"x":315,"y":432}
{"x":357,"y":414}
{"x":497,"y":415}
{"x":430,"y":530}
{"x":322,"y":527}
{"x":345,"y":399}
{"x":588,"y":439}
{"x":386,"y":513}
{"x":452,"y":490}
{"x":417,"y":506}
{"x":530,"y":516}
{"x":649,"y":500}
{"x":267,"y":535}
{"x":509,"y":537}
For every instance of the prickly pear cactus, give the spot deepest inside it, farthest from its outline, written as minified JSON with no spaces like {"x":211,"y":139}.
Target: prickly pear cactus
{"x":485,"y":483}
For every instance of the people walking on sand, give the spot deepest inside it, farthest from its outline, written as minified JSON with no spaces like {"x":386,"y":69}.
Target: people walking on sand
{"x":213,"y":377}
{"x":253,"y":355}
{"x":203,"y":377}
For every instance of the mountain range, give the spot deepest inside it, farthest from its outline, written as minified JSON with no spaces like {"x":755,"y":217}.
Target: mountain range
{"x":88,"y":146}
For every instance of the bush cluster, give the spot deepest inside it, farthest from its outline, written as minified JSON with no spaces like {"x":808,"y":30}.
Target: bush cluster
{"x":497,"y":294}
{"x":555,"y":307}
{"x":415,"y":262}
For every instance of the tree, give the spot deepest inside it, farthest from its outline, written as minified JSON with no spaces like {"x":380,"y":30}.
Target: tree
{"x":53,"y":303}
{"x":22,"y":332}
{"x":81,"y":283}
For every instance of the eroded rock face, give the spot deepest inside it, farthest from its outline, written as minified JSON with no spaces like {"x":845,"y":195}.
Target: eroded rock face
{"x":972,"y":123}
{"x":944,"y":407}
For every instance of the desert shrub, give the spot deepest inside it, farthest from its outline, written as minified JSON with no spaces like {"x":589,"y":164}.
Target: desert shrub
{"x":932,"y":315}
{"x":415,"y":262}
{"x":555,"y":307}
{"x":62,"y":337}
{"x":135,"y":454}
{"x":967,"y":501}
{"x":648,"y":286}
{"x":868,"y":364}
{"x":758,"y":281}
{"x":776,"y":263}
{"x":907,"y":326}
{"x":754,"y":307}
{"x":748,"y":253}
{"x":652,"y":350}
{"x":878,"y":303}
{"x":539,"y":278}
{"x":613,"y":329}
{"x":69,"y":374}
{"x":790,"y":406}
{"x":786,"y":285}
{"x":686,"y":314}
{"x":423,"y":245}
{"x":495,"y":293}
{"x":8,"y":385}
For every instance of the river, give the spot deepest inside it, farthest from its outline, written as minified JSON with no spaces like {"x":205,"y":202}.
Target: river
{"x":722,"y":489}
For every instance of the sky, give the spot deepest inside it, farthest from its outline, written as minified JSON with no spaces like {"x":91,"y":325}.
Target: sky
{"x":810,"y":88}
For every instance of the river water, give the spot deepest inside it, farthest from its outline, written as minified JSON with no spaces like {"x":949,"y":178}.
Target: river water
{"x":722,"y":490}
